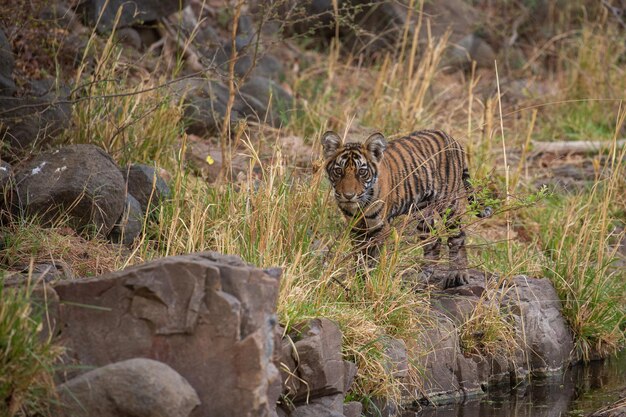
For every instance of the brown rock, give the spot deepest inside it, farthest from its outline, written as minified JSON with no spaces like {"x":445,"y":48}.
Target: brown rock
{"x":132,"y":388}
{"x":208,"y":316}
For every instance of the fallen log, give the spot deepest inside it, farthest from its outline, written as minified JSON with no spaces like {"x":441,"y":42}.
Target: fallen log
{"x":578,"y":146}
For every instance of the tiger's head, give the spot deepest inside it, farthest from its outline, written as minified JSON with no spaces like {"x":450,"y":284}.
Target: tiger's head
{"x":352,"y":167}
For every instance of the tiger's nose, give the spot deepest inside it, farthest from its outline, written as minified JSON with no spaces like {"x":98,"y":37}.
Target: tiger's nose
{"x":348,"y":195}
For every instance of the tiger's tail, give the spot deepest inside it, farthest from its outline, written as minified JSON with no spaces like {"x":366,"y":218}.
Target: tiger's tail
{"x":484,"y":211}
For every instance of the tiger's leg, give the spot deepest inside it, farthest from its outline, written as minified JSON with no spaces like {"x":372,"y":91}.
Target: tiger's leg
{"x":458,"y":274}
{"x":368,"y":242}
{"x":431,"y":244}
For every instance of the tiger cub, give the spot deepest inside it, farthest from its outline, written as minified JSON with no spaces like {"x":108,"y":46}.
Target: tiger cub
{"x":423,"y":173}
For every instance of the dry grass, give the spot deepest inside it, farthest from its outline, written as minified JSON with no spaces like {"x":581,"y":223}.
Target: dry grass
{"x":272,"y":217}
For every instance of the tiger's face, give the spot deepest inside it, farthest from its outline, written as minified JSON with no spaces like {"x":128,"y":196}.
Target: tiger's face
{"x":352,"y":168}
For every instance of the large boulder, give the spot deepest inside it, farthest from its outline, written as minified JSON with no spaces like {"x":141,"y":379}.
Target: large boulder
{"x":543,"y":342}
{"x":541,"y":329}
{"x":103,"y":12}
{"x":81,"y":181}
{"x":132,"y":388}
{"x":210,"y":317}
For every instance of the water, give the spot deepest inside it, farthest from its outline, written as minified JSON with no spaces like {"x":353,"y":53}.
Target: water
{"x":581,"y":390}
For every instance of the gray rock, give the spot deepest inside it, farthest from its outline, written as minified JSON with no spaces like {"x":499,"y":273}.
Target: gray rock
{"x":541,"y":328}
{"x":133,"y":388}
{"x":353,"y":409}
{"x":80,"y":181}
{"x":318,"y":360}
{"x":208,"y":316}
{"x":470,"y":48}
{"x":129,"y":37}
{"x":129,"y":226}
{"x":146,"y":185}
{"x":314,"y":410}
{"x":206,"y":102}
{"x":7,"y":62}
{"x":62,"y":15}
{"x":397,"y":363}
{"x":133,"y":12}
{"x":333,"y":403}
{"x":38,"y":273}
{"x":366,"y":27}
{"x":29,"y":122}
{"x":266,"y":66}
{"x":277,"y":102}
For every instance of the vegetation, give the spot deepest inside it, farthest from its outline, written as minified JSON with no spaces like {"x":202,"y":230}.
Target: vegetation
{"x":26,"y":358}
{"x":279,"y":215}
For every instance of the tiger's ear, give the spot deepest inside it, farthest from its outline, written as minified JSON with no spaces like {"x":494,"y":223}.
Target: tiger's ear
{"x":376,"y":145}
{"x":331,"y":142}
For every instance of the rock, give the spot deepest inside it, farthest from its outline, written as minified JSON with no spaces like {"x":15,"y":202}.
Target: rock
{"x":314,"y":410}
{"x":470,"y":48}
{"x":81,"y":181}
{"x":133,"y":12}
{"x":206,"y":159}
{"x":266,"y":65}
{"x":541,"y":328}
{"x":333,"y":403}
{"x":353,"y":409}
{"x":129,"y":37}
{"x":135,"y":387}
{"x":205,"y":106}
{"x":209,"y":317}
{"x":277,"y":102}
{"x":7,"y":62}
{"x":38,"y":273}
{"x":63,"y":16}
{"x":398,"y":363}
{"x":129,"y":226}
{"x":380,"y":407}
{"x":206,"y":103}
{"x":7,"y":188}
{"x":365,"y":26}
{"x":318,"y":360}
{"x":29,"y":122}
{"x":146,"y":185}
{"x":448,"y":376}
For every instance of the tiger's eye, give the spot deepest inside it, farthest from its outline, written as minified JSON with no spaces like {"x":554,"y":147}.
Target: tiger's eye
{"x":337,"y":171}
{"x":362,"y":172}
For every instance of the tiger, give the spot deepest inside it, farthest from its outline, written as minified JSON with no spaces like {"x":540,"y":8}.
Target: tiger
{"x":423,"y":173}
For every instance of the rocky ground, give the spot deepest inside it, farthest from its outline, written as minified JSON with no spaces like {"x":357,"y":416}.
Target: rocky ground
{"x":199,"y":334}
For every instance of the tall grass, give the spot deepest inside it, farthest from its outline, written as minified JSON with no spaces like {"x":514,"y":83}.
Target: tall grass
{"x":277,"y":216}
{"x":26,"y":359}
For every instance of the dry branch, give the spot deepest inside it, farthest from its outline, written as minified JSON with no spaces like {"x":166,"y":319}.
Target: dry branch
{"x":582,"y":146}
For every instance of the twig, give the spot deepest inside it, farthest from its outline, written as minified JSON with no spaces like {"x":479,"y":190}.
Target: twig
{"x":224,"y":136}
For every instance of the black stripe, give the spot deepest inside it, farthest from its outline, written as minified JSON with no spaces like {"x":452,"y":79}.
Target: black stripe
{"x":346,"y":212}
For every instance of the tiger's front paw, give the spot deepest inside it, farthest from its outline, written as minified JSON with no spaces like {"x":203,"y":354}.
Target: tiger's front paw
{"x":455,"y":279}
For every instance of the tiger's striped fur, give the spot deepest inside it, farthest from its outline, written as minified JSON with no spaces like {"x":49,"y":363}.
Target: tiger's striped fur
{"x":423,"y":173}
